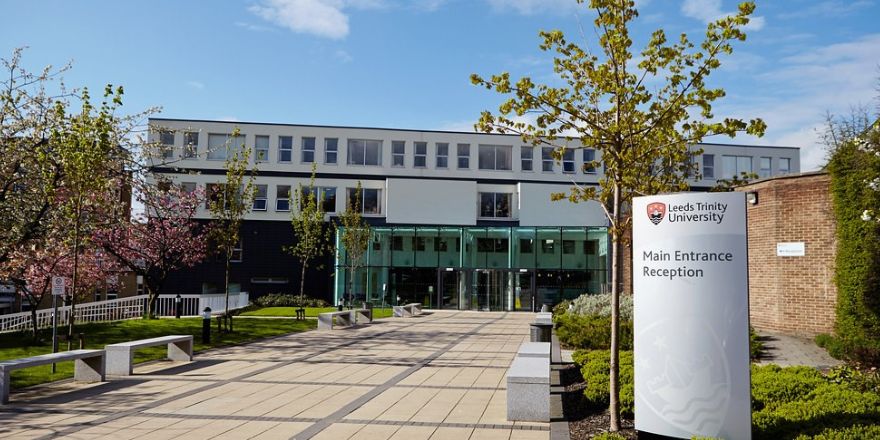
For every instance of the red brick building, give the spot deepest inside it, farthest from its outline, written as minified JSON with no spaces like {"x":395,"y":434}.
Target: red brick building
{"x":791,"y":294}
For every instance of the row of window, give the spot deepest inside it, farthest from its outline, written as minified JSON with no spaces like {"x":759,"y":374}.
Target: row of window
{"x":526,"y":245}
{"x":733,"y":166}
{"x":491,"y":204}
{"x":368,"y":152}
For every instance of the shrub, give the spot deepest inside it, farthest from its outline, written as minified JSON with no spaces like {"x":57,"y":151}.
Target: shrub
{"x":594,"y":369}
{"x":591,"y":332}
{"x":773,"y":385}
{"x":857,"y":263}
{"x":599,"y":304}
{"x":609,"y":436}
{"x":281,"y":300}
{"x":756,"y":347}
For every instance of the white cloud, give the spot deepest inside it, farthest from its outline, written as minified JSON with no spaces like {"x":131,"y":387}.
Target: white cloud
{"x":531,"y":7}
{"x":710,"y":10}
{"x":343,"y":56}
{"x":198,"y":85}
{"x":323,"y":18}
{"x":794,"y":96}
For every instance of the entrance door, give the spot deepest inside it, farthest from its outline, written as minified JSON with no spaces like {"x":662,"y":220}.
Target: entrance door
{"x":452,"y":288}
{"x":491,"y":290}
{"x":524,"y":291}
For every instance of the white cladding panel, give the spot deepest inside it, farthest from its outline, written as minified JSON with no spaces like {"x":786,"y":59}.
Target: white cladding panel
{"x":536,"y":208}
{"x":431,"y":202}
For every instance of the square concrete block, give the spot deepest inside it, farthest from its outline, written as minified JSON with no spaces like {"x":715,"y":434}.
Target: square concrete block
{"x":534,"y":349}
{"x":528,"y":389}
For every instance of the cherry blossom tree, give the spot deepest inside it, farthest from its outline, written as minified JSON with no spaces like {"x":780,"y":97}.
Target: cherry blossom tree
{"x":164,"y":238}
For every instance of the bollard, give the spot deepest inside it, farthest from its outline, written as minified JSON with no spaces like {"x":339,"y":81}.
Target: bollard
{"x":206,"y":326}
{"x":178,"y":306}
{"x":300,"y":314}
{"x":82,"y":341}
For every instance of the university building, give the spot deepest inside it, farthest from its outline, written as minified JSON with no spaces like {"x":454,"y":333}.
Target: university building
{"x":460,"y":220}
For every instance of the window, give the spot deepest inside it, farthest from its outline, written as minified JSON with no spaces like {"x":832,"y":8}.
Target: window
{"x":708,"y":166}
{"x":328,"y":199}
{"x":212,"y":194}
{"x":190,"y":144}
{"x":237,"y":252}
{"x":420,"y":160}
{"x":784,"y":165}
{"x":261,"y":149}
{"x":398,"y":153}
{"x":548,"y":246}
{"x":547,"y":159}
{"x":591,"y":247}
{"x":464,"y":156}
{"x":494,"y":157}
{"x":440,"y":244}
{"x":418,"y":243}
{"x":765,"y":169}
{"x":282,"y":198}
{"x":188,"y":187}
{"x":219,"y":145}
{"x":526,"y":246}
{"x":568,"y":247}
{"x":589,"y":157}
{"x":396,"y":243}
{"x":568,"y":160}
{"x":495,"y":205}
{"x":331,"y":146}
{"x":735,"y":165}
{"x":364,"y":152}
{"x":260,"y":198}
{"x":166,"y":138}
{"x":442,"y":155}
{"x":285,"y":148}
{"x":525,"y":156}
{"x":308,"y":150}
{"x":369,"y":200}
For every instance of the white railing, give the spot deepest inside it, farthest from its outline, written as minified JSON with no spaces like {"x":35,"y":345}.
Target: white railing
{"x":125,"y":308}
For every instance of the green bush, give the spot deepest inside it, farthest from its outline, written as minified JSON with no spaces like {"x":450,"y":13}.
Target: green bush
{"x":591,"y":332}
{"x":756,"y":347}
{"x":773,"y":385}
{"x":282,"y":300}
{"x":594,"y":369}
{"x":598,"y":304}
{"x":857,"y":264}
{"x":609,"y":436}
{"x":859,"y":432}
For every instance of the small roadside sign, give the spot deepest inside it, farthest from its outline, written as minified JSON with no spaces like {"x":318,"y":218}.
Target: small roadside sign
{"x":58,"y":286}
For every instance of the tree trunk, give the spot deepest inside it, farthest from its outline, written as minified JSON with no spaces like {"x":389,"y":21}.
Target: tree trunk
{"x":614,"y":369}
{"x":70,"y":318}
{"x":227,"y":318}
{"x":152,"y":297}
{"x":302,"y":284}
{"x":34,"y":321}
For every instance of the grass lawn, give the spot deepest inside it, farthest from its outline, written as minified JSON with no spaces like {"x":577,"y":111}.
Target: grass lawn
{"x":18,"y":345}
{"x":310,"y":311}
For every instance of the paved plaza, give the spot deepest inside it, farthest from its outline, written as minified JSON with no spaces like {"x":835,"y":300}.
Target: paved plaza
{"x":435,"y":376}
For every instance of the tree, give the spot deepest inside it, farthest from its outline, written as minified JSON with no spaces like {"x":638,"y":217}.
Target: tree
{"x":30,"y":173}
{"x":312,"y":237}
{"x":643,"y":136}
{"x":163,"y":239}
{"x":88,"y":149}
{"x":354,"y":236}
{"x":229,"y":203}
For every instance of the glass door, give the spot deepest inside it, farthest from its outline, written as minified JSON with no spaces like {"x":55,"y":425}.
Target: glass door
{"x":490,"y":290}
{"x":450,"y":285}
{"x":524,"y":291}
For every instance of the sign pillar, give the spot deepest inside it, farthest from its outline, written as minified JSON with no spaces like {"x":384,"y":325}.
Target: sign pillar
{"x":58,"y":288}
{"x":691,"y":315}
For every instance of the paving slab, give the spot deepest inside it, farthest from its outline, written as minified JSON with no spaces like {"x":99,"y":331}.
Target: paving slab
{"x":440,"y":376}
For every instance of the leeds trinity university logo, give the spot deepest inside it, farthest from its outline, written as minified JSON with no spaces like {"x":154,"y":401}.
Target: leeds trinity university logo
{"x":656,"y":212}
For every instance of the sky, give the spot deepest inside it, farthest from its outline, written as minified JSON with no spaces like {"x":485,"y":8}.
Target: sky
{"x":406,"y":63}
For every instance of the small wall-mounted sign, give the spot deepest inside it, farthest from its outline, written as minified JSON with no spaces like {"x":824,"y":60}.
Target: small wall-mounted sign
{"x":791,"y":249}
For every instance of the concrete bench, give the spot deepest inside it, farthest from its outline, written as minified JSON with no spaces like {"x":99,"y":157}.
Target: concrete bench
{"x":534,"y":349}
{"x":362,"y":316}
{"x":407,"y":310}
{"x":120,"y":357}
{"x":328,"y":320}
{"x":88,"y":366}
{"x":528,"y":389}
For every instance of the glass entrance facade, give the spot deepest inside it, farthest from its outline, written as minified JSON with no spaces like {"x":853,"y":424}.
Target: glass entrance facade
{"x":476,"y":268}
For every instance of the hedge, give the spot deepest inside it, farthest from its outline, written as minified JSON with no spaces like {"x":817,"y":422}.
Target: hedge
{"x":787,"y":403}
{"x":857,"y":274}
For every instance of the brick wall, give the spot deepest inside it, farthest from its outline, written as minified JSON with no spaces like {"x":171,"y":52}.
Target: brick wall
{"x":794,"y":295}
